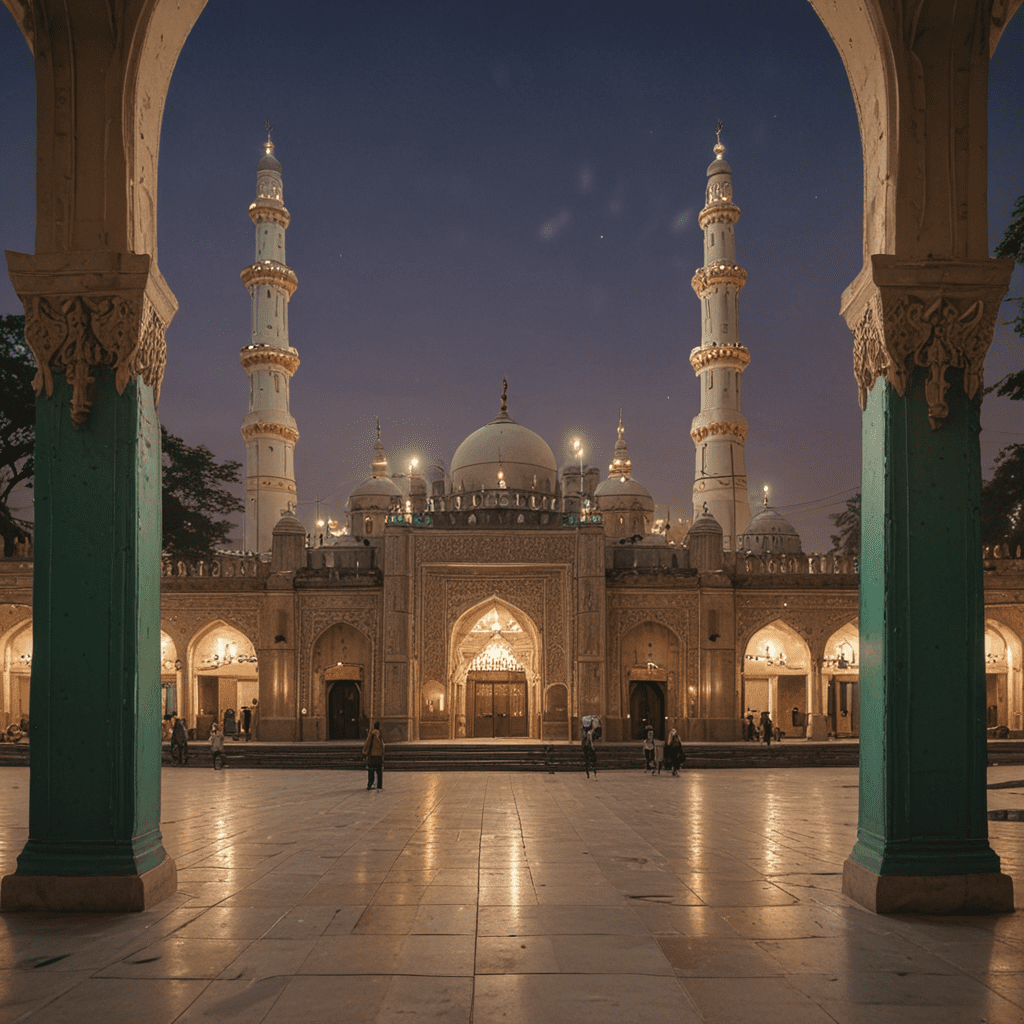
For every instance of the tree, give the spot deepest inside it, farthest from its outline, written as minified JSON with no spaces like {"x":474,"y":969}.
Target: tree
{"x":17,"y":425}
{"x":847,"y":522}
{"x":1002,"y":497}
{"x":194,"y":492}
{"x":195,"y":485}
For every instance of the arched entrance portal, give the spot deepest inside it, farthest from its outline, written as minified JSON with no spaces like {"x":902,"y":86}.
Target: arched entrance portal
{"x":343,"y":710}
{"x":494,"y":679}
{"x":646,"y":707}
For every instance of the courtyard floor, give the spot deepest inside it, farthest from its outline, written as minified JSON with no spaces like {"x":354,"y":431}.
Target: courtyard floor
{"x":512,"y":897}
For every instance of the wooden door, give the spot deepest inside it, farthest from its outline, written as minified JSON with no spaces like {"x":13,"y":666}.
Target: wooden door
{"x":343,"y":711}
{"x":502,"y":721}
{"x":483,"y":715}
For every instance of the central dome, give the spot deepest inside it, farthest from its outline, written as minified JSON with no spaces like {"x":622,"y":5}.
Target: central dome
{"x":522,"y":457}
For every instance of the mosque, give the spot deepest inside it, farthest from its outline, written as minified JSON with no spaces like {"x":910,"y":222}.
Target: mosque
{"x":508,"y":597}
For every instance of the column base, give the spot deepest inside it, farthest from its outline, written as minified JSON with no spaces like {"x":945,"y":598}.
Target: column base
{"x":90,"y":894}
{"x":817,"y":727}
{"x":989,"y":893}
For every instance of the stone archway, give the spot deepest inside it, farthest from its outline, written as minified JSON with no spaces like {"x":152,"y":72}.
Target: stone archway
{"x":1004,"y":699}
{"x":775,"y":674}
{"x":15,"y":705}
{"x":341,"y":654}
{"x":223,"y":676}
{"x":650,"y":674}
{"x":495,"y":654}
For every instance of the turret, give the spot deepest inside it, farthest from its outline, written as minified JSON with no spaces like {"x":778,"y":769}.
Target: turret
{"x":268,"y":428}
{"x":720,"y":428}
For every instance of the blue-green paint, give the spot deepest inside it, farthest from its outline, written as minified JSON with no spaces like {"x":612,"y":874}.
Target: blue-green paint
{"x":95,"y":780}
{"x":923,"y":800}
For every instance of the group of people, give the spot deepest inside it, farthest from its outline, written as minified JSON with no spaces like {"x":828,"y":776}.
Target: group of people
{"x":658,"y":755}
{"x":763,"y":730}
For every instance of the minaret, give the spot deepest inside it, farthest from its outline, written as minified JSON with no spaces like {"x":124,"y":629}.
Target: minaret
{"x":268,"y":428}
{"x":719,"y":429}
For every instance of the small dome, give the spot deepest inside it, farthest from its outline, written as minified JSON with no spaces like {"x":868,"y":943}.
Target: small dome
{"x":703,"y":525}
{"x":288,"y":524}
{"x":769,"y":533}
{"x":623,"y":493}
{"x":374,"y":493}
{"x":523,"y":458}
{"x":719,"y":166}
{"x":269,"y":163}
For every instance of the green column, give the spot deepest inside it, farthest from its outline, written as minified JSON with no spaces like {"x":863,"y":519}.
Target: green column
{"x":94,"y":811}
{"x":922,"y":838}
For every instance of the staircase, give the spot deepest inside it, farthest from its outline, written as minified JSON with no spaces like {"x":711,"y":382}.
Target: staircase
{"x":467,"y":756}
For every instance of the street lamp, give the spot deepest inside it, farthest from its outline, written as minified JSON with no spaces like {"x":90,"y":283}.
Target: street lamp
{"x":577,"y":450}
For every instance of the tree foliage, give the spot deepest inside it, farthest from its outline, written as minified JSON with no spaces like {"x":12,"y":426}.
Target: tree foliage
{"x":846,"y":539}
{"x":17,"y":425}
{"x":195,"y":494}
{"x":1002,"y":497}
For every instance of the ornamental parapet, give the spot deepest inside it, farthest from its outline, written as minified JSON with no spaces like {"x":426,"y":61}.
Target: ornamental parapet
{"x":730,"y":429}
{"x":735,"y":357}
{"x":286,"y":433}
{"x":270,"y":272}
{"x":706,"y":278}
{"x":261,"y":212}
{"x":718,"y":213}
{"x":217,"y":567}
{"x":261,"y":355}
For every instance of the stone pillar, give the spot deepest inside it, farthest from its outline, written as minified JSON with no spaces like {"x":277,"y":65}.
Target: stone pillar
{"x":277,"y":656}
{"x":95,"y":322}
{"x":923,"y":326}
{"x":817,"y":721}
{"x":590,"y":618}
{"x":395,"y":706}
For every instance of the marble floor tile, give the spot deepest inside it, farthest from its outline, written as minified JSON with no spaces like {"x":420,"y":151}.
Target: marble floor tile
{"x":706,"y":957}
{"x":247,"y":1001}
{"x":152,"y":1001}
{"x":178,"y":958}
{"x":427,"y":1000}
{"x":231,"y":923}
{"x":440,"y":955}
{"x":558,"y":920}
{"x":753,"y":1001}
{"x":558,"y":954}
{"x":340,"y":1000}
{"x":381,"y":920}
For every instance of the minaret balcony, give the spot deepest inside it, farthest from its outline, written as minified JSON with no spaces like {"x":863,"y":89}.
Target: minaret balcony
{"x":728,"y":429}
{"x":708,"y":278}
{"x":724,"y":357}
{"x":281,"y":431}
{"x":261,"y":211}
{"x":286,"y":359}
{"x":266,"y":272}
{"x":718,"y":213}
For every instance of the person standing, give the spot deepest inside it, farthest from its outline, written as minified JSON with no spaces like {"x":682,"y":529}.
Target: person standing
{"x":767,"y":728}
{"x":673,"y":752}
{"x":246,"y":721}
{"x":217,"y":747}
{"x":589,"y":753}
{"x":373,"y":751}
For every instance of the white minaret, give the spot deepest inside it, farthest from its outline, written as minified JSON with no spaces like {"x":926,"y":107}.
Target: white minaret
{"x":268,"y":428}
{"x":719,"y":429}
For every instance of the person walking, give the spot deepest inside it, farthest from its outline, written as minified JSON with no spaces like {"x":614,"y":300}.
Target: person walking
{"x":767,"y":728}
{"x":649,"y":749}
{"x":589,"y":752}
{"x":373,"y":751}
{"x":674,"y":752}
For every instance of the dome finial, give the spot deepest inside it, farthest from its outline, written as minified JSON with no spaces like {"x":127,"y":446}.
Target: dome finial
{"x":379,"y":466}
{"x":621,"y":465}
{"x":504,"y":396}
{"x":765,"y":495}
{"x":719,"y":148}
{"x":268,"y":146}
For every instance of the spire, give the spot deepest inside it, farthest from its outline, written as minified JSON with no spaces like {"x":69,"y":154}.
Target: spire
{"x":621,"y":465}
{"x":268,"y":146}
{"x":379,"y":466}
{"x":504,"y":396}
{"x":719,"y":148}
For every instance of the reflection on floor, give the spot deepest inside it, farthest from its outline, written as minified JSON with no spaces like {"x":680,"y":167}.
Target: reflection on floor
{"x":511,"y":897}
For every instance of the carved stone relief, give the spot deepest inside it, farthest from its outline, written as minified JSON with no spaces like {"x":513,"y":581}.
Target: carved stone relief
{"x":815,"y":617}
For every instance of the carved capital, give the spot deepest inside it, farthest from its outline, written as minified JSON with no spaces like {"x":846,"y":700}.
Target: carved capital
{"x":93,"y":309}
{"x":718,"y":213}
{"x":287,"y":359}
{"x":269,"y":272}
{"x":935,"y":314}
{"x":280,"y":430}
{"x":730,"y":429}
{"x":730,"y":357}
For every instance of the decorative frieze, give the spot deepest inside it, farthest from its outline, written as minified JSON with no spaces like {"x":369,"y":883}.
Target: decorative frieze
{"x":731,"y":357}
{"x":731,"y":429}
{"x":270,"y":355}
{"x":721,"y":213}
{"x":266,"y":272}
{"x":290,"y":434}
{"x":708,"y":278}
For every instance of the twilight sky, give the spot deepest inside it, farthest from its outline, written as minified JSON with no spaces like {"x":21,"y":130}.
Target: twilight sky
{"x":481,"y":189}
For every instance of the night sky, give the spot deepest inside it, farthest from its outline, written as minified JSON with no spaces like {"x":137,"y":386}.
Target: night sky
{"x":480,"y":189}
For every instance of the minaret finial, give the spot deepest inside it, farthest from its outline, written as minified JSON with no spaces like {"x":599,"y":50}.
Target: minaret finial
{"x":378,"y":428}
{"x":621,"y":428}
{"x":379,"y":466}
{"x":719,"y":148}
{"x":269,"y":145}
{"x":504,"y":396}
{"x":765,"y":495}
{"x":621,"y":465}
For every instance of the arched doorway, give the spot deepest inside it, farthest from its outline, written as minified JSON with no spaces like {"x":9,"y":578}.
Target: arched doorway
{"x":1003,"y":696}
{"x":495,"y":649}
{"x":646,"y":707}
{"x":343,"y":710}
{"x":17,"y":676}
{"x":224,"y":676}
{"x":841,"y":680}
{"x":776,"y":668}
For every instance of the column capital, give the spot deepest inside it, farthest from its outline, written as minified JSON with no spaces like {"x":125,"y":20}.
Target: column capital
{"x":938,"y":314}
{"x":84,"y":310}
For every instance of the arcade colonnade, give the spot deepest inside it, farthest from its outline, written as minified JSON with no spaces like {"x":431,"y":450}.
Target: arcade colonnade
{"x":922,"y":312}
